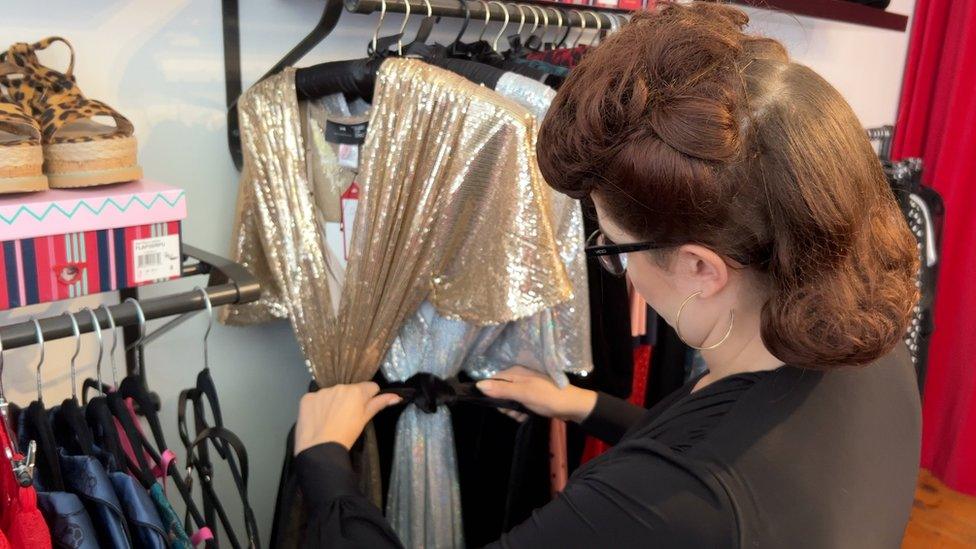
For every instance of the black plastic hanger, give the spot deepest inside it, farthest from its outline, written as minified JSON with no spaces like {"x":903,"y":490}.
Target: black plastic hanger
{"x":97,"y":412}
{"x":423,"y":33}
{"x":68,"y":421}
{"x":456,"y":48}
{"x":219,"y":436}
{"x":203,"y":396}
{"x":38,"y":428}
{"x":134,"y":387}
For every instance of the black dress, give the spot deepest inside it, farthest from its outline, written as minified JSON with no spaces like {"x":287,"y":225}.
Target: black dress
{"x":786,"y":458}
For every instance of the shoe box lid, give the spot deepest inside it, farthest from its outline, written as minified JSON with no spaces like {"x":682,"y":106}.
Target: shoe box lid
{"x":64,"y":211}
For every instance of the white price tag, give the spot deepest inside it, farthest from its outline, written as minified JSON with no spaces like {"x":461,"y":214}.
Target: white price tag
{"x":156,"y":258}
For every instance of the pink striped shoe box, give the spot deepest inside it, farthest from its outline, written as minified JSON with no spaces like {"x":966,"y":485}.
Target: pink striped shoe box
{"x":66,"y":243}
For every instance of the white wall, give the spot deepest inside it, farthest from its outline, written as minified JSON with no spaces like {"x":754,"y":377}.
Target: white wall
{"x":161,"y":63}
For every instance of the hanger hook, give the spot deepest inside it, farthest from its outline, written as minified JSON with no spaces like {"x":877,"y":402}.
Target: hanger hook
{"x":494,"y":44}
{"x":545,"y":22}
{"x":599,"y":26}
{"x":521,"y":10}
{"x":137,"y":346}
{"x":621,"y":20}
{"x":115,"y":342}
{"x":210,"y":318}
{"x":74,"y":356}
{"x":376,"y":31}
{"x":484,"y":27}
{"x":582,"y":27}
{"x":535,"y":18}
{"x":39,"y":333}
{"x":430,"y":10}
{"x":559,"y":19}
{"x":406,"y":17}
{"x":97,"y":330}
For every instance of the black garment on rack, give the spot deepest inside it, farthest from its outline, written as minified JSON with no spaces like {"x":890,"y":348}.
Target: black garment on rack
{"x":610,"y":337}
{"x":492,"y":450}
{"x":668,"y":360}
{"x":784,"y":458}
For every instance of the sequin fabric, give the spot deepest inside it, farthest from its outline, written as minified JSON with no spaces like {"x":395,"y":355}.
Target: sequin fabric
{"x":423,"y":503}
{"x":453,"y":211}
{"x":279,"y":236}
{"x":531,"y":94}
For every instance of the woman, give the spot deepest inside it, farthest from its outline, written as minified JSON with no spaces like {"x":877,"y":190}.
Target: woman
{"x":740,"y":194}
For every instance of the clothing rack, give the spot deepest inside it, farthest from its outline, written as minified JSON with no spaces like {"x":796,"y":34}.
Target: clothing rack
{"x":454,"y":8}
{"x":229,"y":283}
{"x":332,"y":10}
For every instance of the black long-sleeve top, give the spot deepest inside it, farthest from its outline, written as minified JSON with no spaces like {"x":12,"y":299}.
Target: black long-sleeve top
{"x":785,"y":458}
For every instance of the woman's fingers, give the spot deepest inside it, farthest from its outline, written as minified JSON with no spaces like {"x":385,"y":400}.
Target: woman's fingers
{"x":500,"y":388}
{"x":518,"y":371}
{"x":379,"y":402}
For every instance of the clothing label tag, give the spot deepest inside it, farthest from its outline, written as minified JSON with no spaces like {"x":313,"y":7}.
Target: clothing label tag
{"x":349,"y":156}
{"x":156,"y":258}
{"x":349,"y":202}
{"x":345,"y":133}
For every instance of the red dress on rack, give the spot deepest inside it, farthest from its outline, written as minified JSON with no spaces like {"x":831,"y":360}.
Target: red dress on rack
{"x":21,"y":524}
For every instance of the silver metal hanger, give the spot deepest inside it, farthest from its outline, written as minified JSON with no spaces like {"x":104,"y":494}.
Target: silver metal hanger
{"x":406,"y":17}
{"x":210,"y":318}
{"x":40,"y":358}
{"x":494,"y":43}
{"x":376,"y":31}
{"x":484,"y":27}
{"x":582,"y":27}
{"x":74,"y":356}
{"x":137,"y":344}
{"x":97,"y":330}
{"x":115,"y":342}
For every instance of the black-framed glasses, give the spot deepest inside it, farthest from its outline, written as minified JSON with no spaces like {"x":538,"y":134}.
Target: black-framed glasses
{"x":612,"y":256}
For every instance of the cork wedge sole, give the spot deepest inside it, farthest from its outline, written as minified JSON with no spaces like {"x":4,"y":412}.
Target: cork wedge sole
{"x":90,"y":163}
{"x":22,"y":169}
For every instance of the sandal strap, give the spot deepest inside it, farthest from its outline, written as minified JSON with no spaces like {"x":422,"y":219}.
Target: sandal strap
{"x":23,"y":50}
{"x":13,"y":120}
{"x":77,"y":108}
{"x":53,"y":97}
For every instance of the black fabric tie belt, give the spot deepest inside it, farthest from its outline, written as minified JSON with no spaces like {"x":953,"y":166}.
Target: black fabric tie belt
{"x":427,"y":392}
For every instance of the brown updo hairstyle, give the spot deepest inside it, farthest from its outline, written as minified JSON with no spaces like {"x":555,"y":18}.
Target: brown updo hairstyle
{"x":690,"y":131}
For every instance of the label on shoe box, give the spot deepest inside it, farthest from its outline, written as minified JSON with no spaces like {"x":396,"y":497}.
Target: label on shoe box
{"x":156,"y":258}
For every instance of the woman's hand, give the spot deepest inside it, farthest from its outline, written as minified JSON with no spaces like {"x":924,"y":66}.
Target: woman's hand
{"x":338,"y":414}
{"x":538,"y":393}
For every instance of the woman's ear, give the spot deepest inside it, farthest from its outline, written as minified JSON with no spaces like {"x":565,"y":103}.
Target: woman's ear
{"x":699,"y":268}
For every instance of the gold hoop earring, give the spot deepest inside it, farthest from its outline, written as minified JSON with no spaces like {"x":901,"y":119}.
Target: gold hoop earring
{"x":677,"y":325}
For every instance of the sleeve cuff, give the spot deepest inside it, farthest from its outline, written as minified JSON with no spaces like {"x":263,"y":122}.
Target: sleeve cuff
{"x":325,"y":473}
{"x":611,"y":418}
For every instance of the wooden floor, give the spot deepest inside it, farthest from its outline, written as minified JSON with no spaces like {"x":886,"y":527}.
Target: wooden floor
{"x":941,"y":518}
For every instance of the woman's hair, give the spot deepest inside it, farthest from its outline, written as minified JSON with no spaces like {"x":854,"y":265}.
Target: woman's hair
{"x":690,"y":131}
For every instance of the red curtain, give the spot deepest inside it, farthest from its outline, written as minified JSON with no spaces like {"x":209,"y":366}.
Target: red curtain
{"x":937,"y":122}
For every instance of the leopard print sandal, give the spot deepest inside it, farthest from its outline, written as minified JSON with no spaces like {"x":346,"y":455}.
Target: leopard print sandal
{"x":21,"y":156}
{"x":80,"y":150}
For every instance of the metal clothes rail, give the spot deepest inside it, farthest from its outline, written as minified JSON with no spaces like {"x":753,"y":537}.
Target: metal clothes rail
{"x":229,"y":282}
{"x":571,"y":16}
